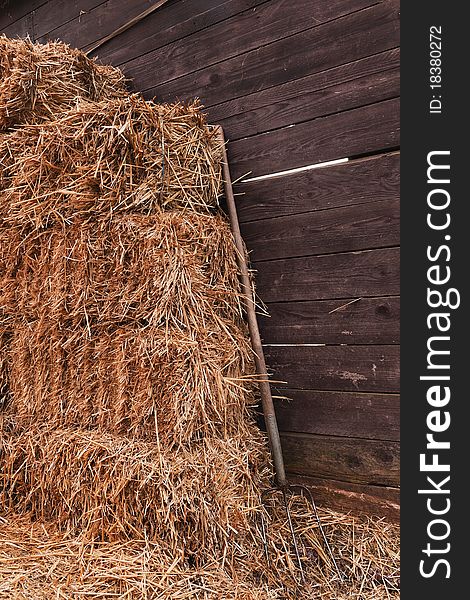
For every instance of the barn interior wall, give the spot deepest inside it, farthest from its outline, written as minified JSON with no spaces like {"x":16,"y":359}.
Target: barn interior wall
{"x":294,"y":83}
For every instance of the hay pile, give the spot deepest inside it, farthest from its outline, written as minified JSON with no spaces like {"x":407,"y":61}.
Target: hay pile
{"x":109,"y":157}
{"x":37,"y":563}
{"x":38,"y":82}
{"x":130,"y":462}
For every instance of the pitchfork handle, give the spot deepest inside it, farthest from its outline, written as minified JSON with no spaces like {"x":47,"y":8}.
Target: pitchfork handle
{"x":264,"y":387}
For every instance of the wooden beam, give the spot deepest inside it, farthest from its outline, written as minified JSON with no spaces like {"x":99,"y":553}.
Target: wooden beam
{"x":339,"y":41}
{"x":349,"y":275}
{"x":371,"y":79}
{"x":343,"y":135}
{"x":345,"y":368}
{"x":346,"y":414}
{"x":355,"y":498}
{"x":177,"y":21}
{"x":368,"y":321}
{"x":360,"y":181}
{"x":367,"y":462}
{"x":249,"y":30}
{"x":364,"y":226}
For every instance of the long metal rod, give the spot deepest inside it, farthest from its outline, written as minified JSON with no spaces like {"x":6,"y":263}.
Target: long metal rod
{"x":264,"y":387}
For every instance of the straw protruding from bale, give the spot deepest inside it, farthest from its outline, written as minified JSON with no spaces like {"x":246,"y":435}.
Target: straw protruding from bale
{"x":174,"y":268}
{"x":108,"y":157}
{"x":40,"y":81}
{"x":200,"y":497}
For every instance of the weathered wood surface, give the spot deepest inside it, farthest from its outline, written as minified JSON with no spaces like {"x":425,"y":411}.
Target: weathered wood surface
{"x":346,"y":414}
{"x":354,"y":460}
{"x":365,"y":226}
{"x":38,"y":18}
{"x":345,"y":368}
{"x":174,"y":21}
{"x":367,"y":321}
{"x":88,"y":24}
{"x":371,"y":79}
{"x":342,"y":40}
{"x":360,"y":181}
{"x":350,"y":275}
{"x":59,"y":16}
{"x":358,"y":131}
{"x":233,"y":37}
{"x":12,"y":12}
{"x":352,"y":497}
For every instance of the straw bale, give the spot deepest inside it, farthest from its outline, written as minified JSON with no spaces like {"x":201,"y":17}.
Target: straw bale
{"x":108,"y":157}
{"x":195,"y":498}
{"x":174,"y":268}
{"x":40,"y":81}
{"x":129,"y":325}
{"x":127,"y":436}
{"x":145,"y":382}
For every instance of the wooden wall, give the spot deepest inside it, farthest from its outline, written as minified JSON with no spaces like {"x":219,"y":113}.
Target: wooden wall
{"x":294,"y":83}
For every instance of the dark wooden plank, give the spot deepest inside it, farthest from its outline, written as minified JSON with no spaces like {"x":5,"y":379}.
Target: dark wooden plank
{"x":344,"y":368}
{"x":174,"y":21}
{"x":57,"y":16}
{"x":247,"y":31}
{"x":360,"y":227}
{"x":168,"y":24}
{"x":366,"y":81}
{"x":20,"y":29}
{"x":346,"y":414}
{"x":343,"y":135}
{"x":82,"y":26}
{"x":354,"y":498}
{"x":368,"y":321}
{"x":340,"y":41}
{"x":346,"y":459}
{"x":350,"y":275}
{"x":12,"y":11}
{"x":360,"y":181}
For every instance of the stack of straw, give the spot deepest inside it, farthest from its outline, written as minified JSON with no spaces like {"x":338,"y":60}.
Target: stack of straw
{"x":38,"y":82}
{"x":126,"y":375}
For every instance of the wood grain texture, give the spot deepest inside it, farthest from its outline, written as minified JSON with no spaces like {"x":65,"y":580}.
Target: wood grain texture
{"x":249,"y":30}
{"x":15,"y":10}
{"x":89,"y":24}
{"x":20,"y":29}
{"x":365,"y":226}
{"x":343,"y":135}
{"x":366,"y":81}
{"x":358,"y":499}
{"x":368,"y":321}
{"x":64,"y":18}
{"x":369,"y":462}
{"x":342,"y":40}
{"x":349,"y":275}
{"x":174,"y":21}
{"x":359,"y":181}
{"x":344,"y":368}
{"x":346,"y":414}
